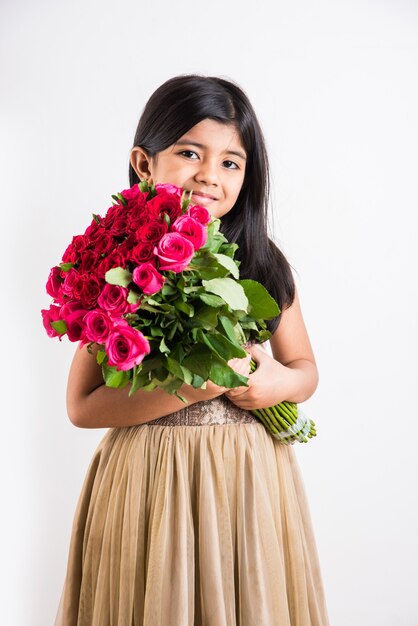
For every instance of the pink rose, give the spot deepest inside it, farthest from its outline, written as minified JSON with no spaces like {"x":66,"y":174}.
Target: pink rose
{"x":70,"y":307}
{"x":192,"y":230}
{"x":199,"y":213}
{"x":98,"y":326}
{"x":126,"y":347}
{"x":75,"y":325}
{"x":148,"y":278}
{"x":113,"y":300}
{"x":53,"y":314}
{"x":169,"y":189}
{"x":174,"y":252}
{"x":53,"y":286}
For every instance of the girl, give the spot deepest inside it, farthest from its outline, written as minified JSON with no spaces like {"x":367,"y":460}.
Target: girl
{"x":195,"y":515}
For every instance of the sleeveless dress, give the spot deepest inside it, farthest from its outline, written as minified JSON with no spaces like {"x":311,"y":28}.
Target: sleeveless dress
{"x":198,"y":518}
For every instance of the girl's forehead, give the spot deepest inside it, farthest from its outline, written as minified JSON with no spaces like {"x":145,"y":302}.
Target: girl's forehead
{"x":215,"y":135}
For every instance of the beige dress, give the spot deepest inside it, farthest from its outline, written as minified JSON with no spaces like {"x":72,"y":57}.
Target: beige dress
{"x":198,"y":518}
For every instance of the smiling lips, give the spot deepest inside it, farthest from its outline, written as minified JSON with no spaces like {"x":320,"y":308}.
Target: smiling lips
{"x":205,"y":196}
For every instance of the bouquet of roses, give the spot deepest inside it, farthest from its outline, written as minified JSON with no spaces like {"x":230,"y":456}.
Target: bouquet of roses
{"x":155,"y":285}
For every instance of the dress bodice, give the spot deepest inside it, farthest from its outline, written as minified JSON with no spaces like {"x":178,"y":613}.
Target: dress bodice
{"x":219,"y":410}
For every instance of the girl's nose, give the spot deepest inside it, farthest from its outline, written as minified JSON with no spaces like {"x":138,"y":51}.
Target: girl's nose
{"x":207,"y":173}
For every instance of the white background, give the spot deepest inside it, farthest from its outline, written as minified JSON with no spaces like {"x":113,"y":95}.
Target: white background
{"x":334,"y":84}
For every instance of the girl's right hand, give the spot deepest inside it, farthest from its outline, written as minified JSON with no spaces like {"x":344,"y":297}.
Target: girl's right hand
{"x":241,"y":366}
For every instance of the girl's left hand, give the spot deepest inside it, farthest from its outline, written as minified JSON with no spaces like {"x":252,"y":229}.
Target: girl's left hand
{"x":264,"y":384}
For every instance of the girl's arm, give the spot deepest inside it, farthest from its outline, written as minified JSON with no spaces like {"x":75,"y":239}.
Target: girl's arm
{"x":90,"y":404}
{"x":290,"y":375}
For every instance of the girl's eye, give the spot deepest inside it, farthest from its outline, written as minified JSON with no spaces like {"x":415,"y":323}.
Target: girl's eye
{"x":235,"y":166}
{"x":187,"y":152}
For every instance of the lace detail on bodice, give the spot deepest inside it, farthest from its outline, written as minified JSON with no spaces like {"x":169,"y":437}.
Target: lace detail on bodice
{"x":219,"y":410}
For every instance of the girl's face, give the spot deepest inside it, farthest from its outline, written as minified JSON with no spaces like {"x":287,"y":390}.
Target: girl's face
{"x":208,"y":160}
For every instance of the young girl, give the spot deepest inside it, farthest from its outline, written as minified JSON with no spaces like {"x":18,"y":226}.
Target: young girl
{"x":194,"y":515}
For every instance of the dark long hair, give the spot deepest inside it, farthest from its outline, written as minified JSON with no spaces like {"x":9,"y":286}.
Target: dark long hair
{"x":174,"y":108}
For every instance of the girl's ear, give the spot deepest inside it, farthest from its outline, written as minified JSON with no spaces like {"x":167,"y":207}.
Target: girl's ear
{"x":141,"y":163}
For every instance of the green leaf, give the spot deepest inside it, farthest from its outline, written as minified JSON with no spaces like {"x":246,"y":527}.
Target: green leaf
{"x":225,"y":376}
{"x":168,"y":290}
{"x":163,"y":346}
{"x":139,"y":381}
{"x":229,"y":263}
{"x":219,"y":344}
{"x":185,"y":200}
{"x":207,"y":316}
{"x":100,"y":356}
{"x":198,"y":361}
{"x":59,"y":326}
{"x":198,"y":382}
{"x":96,"y":218}
{"x":143,"y":186}
{"x":166,"y":218}
{"x":262,"y":305}
{"x":178,"y":370}
{"x":230,"y":290}
{"x":211,"y":300}
{"x":133,"y":297}
{"x":184,"y":307}
{"x":263,"y":335}
{"x":118,"y":276}
{"x":156,"y":332}
{"x":228,"y":327}
{"x":120,"y":198}
{"x":66,"y":266}
{"x":113,"y":377}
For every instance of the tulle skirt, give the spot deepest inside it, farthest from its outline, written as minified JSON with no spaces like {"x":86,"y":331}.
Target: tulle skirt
{"x":199,"y":518}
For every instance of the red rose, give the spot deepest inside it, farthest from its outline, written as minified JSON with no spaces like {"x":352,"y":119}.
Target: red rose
{"x":152,"y":231}
{"x":115,"y":259}
{"x":112,"y":214}
{"x":120,"y":225}
{"x":90,"y":291}
{"x":78,"y":243}
{"x":105,"y":243}
{"x":174,"y":252}
{"x":137,"y":217}
{"x":94,"y":231}
{"x":88,"y":261}
{"x":126,"y":246}
{"x":134,"y":196}
{"x":165,"y":203}
{"x":141,"y":253}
